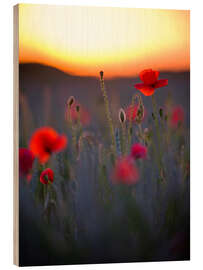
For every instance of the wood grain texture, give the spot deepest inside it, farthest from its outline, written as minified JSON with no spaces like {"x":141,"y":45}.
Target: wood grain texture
{"x":16,"y":134}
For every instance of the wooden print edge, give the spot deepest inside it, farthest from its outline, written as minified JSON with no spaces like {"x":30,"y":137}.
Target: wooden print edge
{"x":16,"y":134}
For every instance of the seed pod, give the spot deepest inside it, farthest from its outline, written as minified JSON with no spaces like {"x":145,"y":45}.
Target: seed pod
{"x":122,"y":116}
{"x":70,"y":101}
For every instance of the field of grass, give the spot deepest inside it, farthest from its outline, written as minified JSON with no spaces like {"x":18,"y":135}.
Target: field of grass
{"x":120,"y":189}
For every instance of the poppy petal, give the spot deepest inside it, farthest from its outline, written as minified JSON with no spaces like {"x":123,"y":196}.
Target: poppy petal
{"x":44,"y":157}
{"x":26,"y":159}
{"x":84,"y":115}
{"x":145,"y":89}
{"x":140,"y":85}
{"x":161,"y":83}
{"x":60,"y":143}
{"x":45,"y":141}
{"x":177,"y":116}
{"x":125,"y":172}
{"x":47,"y":176}
{"x":138,"y":151}
{"x":149,"y":76}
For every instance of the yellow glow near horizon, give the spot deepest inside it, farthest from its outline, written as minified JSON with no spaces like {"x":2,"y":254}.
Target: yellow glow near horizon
{"x":121,"y":41}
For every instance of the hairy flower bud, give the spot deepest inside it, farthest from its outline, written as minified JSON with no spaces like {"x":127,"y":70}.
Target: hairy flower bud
{"x":122,"y":116}
{"x":140,"y":110}
{"x":71,"y":101}
{"x":101,"y":74}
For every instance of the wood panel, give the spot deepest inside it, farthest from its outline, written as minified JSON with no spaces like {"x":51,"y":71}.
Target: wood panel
{"x":16,"y":134}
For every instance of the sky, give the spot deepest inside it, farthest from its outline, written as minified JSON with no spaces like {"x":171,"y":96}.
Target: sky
{"x":121,"y":41}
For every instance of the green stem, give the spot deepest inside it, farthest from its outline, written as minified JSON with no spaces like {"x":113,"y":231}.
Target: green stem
{"x":141,"y":133}
{"x":108,"y":115}
{"x":123,"y":128}
{"x":73,"y":131}
{"x":159,"y":156}
{"x":131,"y":121}
{"x":74,"y":140}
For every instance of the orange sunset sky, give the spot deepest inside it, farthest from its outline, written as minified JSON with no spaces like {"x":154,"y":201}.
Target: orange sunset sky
{"x":120,"y":41}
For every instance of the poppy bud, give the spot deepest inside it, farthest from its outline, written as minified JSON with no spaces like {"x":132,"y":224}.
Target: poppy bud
{"x":78,"y":108}
{"x":161,"y":112}
{"x":122,"y":116}
{"x":71,"y":101}
{"x":140,"y":111}
{"x":101,"y":74}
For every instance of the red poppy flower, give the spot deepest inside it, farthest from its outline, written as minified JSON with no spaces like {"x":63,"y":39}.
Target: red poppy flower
{"x":150,"y":82}
{"x":177,"y":116}
{"x":78,"y":112}
{"x":132,"y":112}
{"x":47,"y":176}
{"x":138,"y":151}
{"x":45,"y":141}
{"x":125,"y":171}
{"x":26,"y":159}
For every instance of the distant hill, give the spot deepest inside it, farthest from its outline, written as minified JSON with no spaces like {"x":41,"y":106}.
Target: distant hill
{"x":45,"y":72}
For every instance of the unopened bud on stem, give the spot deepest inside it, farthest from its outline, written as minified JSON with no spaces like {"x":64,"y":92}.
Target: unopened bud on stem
{"x":70,"y":101}
{"x":101,"y":74}
{"x":122,"y":116}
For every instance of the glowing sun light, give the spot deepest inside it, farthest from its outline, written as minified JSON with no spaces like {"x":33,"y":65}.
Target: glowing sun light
{"x":122,"y":41}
